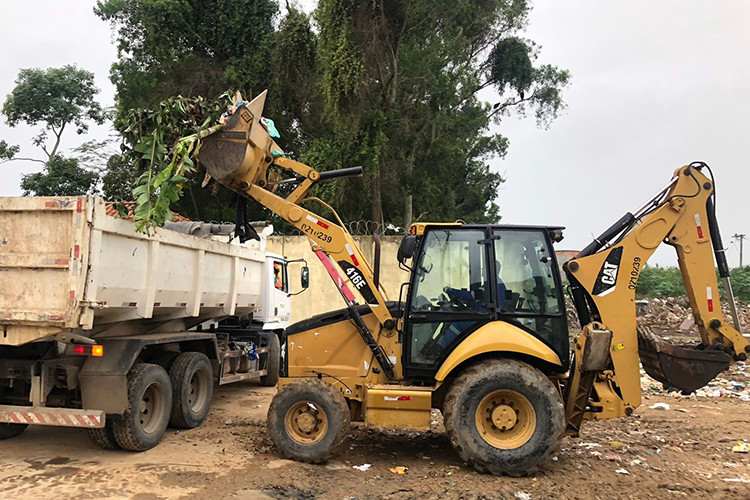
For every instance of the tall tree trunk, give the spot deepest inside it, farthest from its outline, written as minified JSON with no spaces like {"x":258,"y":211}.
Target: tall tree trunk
{"x":377,"y":203}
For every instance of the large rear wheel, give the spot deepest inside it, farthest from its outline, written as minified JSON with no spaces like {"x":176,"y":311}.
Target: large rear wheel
{"x":504,"y":417}
{"x":8,"y":431}
{"x":308,"y":420}
{"x":104,"y":437}
{"x":192,"y":389}
{"x":142,"y":425}
{"x":273,"y":362}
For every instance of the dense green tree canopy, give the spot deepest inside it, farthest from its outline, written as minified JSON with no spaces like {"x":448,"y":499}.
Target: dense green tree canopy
{"x":55,"y":98}
{"x":60,"y":177}
{"x":395,"y":86}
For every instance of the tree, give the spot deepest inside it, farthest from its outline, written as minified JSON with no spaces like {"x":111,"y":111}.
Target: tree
{"x":401,"y":82}
{"x":56,"y":98}
{"x":188,"y":47}
{"x":391,"y":85}
{"x":60,"y":177}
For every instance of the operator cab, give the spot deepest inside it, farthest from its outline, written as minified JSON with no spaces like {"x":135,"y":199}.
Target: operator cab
{"x":465,"y":276}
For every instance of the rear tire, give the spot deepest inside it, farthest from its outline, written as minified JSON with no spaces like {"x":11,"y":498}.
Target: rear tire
{"x":8,"y":431}
{"x":104,"y":437}
{"x":308,"y":420}
{"x":273,"y":362}
{"x":142,"y":425}
{"x":192,"y":389}
{"x":504,"y":417}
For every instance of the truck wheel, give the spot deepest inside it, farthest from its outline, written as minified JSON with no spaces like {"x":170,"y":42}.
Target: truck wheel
{"x":273,"y":362}
{"x":104,"y":437}
{"x":192,"y":389}
{"x":142,"y":425}
{"x":308,"y":420}
{"x":8,"y":431}
{"x":504,"y":417}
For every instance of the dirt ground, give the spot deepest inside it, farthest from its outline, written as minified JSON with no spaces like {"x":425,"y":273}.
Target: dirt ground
{"x":685,"y":451}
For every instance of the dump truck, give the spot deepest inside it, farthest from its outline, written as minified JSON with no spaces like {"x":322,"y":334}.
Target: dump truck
{"x":479,"y":331}
{"x":121,"y":332}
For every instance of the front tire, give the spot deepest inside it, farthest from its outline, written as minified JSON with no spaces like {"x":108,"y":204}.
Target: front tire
{"x":308,"y":420}
{"x":192,"y":389}
{"x":142,"y":425}
{"x":8,"y":431}
{"x":273,"y":362}
{"x":504,"y":417}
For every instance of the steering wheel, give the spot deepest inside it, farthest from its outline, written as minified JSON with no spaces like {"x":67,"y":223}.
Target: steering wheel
{"x":454,"y":301}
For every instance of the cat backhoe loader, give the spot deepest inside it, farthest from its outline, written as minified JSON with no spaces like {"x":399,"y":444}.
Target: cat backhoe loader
{"x":480,"y":329}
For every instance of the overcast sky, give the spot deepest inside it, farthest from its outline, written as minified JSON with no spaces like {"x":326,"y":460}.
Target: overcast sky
{"x":655,"y":85}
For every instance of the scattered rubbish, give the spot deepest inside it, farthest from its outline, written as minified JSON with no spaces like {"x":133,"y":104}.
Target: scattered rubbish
{"x":613,"y":457}
{"x":227,"y":422}
{"x":660,"y":406}
{"x":741,"y":447}
{"x":683,"y":410}
{"x":520,"y":495}
{"x":588,"y":446}
{"x":616,"y":443}
{"x":622,"y":471}
{"x":362,"y":467}
{"x":399,"y":469}
{"x":736,"y":480}
{"x":596,"y":454}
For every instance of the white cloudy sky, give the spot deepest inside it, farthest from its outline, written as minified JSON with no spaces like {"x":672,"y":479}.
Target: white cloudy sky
{"x":655,"y":85}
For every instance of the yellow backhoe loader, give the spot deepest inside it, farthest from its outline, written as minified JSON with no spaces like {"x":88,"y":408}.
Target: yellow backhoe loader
{"x":479,"y":331}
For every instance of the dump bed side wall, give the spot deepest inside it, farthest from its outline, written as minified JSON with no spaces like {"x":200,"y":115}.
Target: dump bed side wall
{"x":68,"y":265}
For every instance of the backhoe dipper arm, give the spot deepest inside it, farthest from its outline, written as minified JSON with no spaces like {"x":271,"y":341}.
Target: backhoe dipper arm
{"x":604,"y":276}
{"x":240,"y":156}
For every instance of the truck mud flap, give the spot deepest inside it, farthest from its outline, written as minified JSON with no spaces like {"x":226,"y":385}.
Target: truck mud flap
{"x":680,"y":367}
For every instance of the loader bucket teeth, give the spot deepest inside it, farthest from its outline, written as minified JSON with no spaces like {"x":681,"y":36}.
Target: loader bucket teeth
{"x":681,"y":367}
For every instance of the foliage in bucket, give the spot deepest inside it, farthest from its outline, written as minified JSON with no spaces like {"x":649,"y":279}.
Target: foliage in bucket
{"x":167,"y":141}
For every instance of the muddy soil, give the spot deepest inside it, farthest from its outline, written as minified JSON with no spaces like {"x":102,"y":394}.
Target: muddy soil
{"x":685,"y":451}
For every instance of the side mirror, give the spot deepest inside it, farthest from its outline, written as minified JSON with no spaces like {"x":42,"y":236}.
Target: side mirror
{"x":406,"y":248}
{"x":305,"y":277}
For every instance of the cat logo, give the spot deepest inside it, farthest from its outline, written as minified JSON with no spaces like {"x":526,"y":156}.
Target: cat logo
{"x":606,"y":281}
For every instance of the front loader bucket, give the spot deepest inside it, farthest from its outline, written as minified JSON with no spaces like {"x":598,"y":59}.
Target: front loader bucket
{"x":681,"y":367}
{"x":241,"y":151}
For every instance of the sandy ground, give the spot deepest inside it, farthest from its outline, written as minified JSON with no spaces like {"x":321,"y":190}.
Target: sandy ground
{"x":681,"y":452}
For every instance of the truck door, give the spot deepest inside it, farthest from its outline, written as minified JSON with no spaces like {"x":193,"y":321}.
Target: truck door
{"x":449,"y":296}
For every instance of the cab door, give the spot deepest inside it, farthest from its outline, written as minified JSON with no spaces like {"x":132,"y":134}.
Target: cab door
{"x":450,"y":296}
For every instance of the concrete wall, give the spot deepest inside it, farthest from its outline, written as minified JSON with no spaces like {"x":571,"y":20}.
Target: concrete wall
{"x":322,"y":295}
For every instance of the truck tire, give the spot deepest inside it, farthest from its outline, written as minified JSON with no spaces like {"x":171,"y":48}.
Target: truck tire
{"x":308,"y":420}
{"x":165,"y":359}
{"x":273,"y":362}
{"x":142,"y":425}
{"x":504,"y":417}
{"x":104,"y":437}
{"x":192,"y":389}
{"x":8,"y":431}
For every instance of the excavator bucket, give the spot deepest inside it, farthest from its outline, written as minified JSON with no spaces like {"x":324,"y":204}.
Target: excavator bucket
{"x":680,"y":367}
{"x":239,"y":149}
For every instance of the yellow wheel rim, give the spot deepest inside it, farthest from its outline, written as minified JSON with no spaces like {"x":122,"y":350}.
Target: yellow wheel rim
{"x":505,"y":419}
{"x":306,"y":423}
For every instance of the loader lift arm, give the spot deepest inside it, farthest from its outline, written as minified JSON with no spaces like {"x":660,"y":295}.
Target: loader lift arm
{"x":242,"y":157}
{"x":603,"y":280}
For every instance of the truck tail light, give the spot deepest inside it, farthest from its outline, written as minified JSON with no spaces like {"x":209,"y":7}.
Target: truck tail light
{"x":88,"y":350}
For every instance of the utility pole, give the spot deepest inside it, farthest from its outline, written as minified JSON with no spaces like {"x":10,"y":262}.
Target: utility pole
{"x":740,"y":237}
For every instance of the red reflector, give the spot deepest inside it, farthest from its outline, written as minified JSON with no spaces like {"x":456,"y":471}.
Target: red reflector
{"x":79,"y":349}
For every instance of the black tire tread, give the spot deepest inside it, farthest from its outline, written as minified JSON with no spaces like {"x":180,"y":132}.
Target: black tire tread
{"x":342,"y":413}
{"x":449,"y":410}
{"x":8,"y":431}
{"x":273,"y":363}
{"x":104,"y":437}
{"x":176,"y":372}
{"x":123,"y":432}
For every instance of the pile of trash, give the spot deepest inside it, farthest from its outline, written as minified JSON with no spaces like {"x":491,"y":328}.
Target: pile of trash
{"x":672,"y":316}
{"x":732,"y":383}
